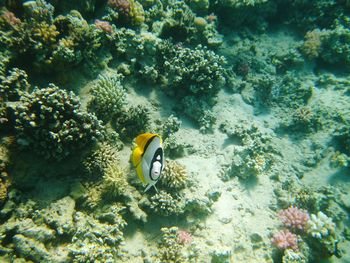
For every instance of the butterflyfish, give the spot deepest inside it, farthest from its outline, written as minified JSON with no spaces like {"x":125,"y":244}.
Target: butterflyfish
{"x":147,"y":158}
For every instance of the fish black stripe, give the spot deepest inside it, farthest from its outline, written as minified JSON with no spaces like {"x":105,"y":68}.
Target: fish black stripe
{"x":147,"y":144}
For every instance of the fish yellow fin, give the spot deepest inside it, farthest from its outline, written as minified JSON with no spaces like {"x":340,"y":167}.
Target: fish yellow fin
{"x":136,"y":156}
{"x":139,"y":173}
{"x":142,"y":140}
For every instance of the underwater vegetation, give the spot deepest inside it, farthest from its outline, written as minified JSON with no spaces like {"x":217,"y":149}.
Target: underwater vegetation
{"x":249,"y":100}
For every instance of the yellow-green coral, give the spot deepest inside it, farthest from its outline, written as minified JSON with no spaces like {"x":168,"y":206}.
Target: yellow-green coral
{"x":47,"y":33}
{"x":174,"y":175}
{"x":312,"y":44}
{"x":100,"y":159}
{"x":115,"y":181}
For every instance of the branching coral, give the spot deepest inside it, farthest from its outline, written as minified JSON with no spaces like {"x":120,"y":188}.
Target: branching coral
{"x":174,"y":175}
{"x":170,"y":126}
{"x":285,"y":239}
{"x":127,"y":11}
{"x":108,"y":97}
{"x":115,"y":182}
{"x":13,"y":85}
{"x":49,"y":122}
{"x":165,"y":204}
{"x":100,"y":159}
{"x":169,"y":248}
{"x":294,"y":218}
{"x":192,"y":71}
{"x":133,"y":122}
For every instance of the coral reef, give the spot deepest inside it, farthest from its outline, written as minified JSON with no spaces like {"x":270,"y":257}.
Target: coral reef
{"x":127,"y":12}
{"x":97,"y":240}
{"x":49,"y":122}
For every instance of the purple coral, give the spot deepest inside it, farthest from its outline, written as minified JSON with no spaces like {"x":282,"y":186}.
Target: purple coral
{"x":294,"y":217}
{"x":285,"y":239}
{"x":184,"y":237}
{"x":122,"y":6}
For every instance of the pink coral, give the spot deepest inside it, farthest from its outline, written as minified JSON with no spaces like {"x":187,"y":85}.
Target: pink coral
{"x":294,"y":217}
{"x":122,"y":6}
{"x":184,"y":237}
{"x":285,"y":239}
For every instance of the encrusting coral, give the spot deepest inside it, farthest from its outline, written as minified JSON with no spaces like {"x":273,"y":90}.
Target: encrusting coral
{"x":50,"y":122}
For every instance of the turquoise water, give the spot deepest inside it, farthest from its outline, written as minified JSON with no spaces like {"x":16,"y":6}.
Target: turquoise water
{"x":232,"y":115}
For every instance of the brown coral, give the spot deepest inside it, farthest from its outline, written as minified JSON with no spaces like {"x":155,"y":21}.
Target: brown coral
{"x":312,"y":44}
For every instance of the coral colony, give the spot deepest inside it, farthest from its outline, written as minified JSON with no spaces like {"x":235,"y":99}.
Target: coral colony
{"x":252,"y":118}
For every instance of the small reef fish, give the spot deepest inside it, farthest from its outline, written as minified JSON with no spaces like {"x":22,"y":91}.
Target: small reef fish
{"x":148,"y":158}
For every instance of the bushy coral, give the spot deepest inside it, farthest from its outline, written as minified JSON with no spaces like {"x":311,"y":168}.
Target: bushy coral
{"x":294,"y":218}
{"x":198,"y":71}
{"x":49,"y":121}
{"x":174,"y":175}
{"x":285,"y":240}
{"x":108,"y":97}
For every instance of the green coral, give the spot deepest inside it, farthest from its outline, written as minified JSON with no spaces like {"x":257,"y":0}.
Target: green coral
{"x":196,"y":71}
{"x":174,"y":175}
{"x":50,"y":122}
{"x":108,"y":97}
{"x":133,"y":122}
{"x":13,"y":85}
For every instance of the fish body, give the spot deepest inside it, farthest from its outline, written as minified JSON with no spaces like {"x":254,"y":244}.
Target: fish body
{"x":148,"y":158}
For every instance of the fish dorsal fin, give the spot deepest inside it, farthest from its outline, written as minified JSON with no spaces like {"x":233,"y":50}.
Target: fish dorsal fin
{"x":142,"y":140}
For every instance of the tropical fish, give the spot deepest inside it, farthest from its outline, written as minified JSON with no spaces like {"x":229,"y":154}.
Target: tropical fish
{"x":148,"y":158}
